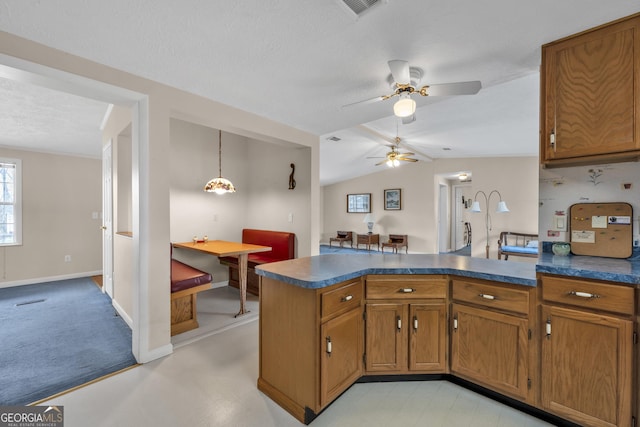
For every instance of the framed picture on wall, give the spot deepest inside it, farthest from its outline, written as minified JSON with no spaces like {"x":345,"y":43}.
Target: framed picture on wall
{"x":393,"y":199}
{"x":359,"y":203}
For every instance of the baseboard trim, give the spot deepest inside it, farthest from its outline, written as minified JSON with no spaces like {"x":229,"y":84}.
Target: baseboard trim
{"x":127,"y":319}
{"x":36,"y":280}
{"x":219,"y":284}
{"x":154,"y":354}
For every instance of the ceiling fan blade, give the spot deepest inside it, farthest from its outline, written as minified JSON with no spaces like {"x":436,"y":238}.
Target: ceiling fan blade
{"x":446,"y":89}
{"x":375,"y":157}
{"x":400,"y":71}
{"x":381,"y":163}
{"x":368,"y":101}
{"x":406,"y":154}
{"x":408,"y":159}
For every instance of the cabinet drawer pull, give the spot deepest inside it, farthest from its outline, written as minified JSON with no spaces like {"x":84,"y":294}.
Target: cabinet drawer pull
{"x":415,"y":323}
{"x":347,"y":298}
{"x":487,"y":296}
{"x":328,"y":345}
{"x":547,"y":328}
{"x":583,"y":294}
{"x":399,"y":322}
{"x":407,"y":290}
{"x":455,"y":323}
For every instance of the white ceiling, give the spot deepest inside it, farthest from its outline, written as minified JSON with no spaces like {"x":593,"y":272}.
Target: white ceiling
{"x":297,"y":62}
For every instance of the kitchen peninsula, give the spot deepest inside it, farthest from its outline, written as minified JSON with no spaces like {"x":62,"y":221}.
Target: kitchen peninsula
{"x":553,"y":338}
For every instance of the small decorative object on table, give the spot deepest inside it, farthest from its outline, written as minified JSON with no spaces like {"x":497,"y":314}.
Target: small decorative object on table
{"x":561,"y":248}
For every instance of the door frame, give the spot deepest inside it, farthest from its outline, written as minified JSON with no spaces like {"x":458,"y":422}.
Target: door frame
{"x":107,"y":219}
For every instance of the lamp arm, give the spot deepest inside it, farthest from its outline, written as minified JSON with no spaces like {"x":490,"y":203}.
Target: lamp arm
{"x":487,"y":218}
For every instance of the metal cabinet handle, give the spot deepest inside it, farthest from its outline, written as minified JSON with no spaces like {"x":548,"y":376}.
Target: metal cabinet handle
{"x":547,"y":328}
{"x":407,"y":290}
{"x":347,"y":298}
{"x":399,"y":321}
{"x":583,"y":294}
{"x":415,"y":323}
{"x":487,"y":296}
{"x":328,"y":345}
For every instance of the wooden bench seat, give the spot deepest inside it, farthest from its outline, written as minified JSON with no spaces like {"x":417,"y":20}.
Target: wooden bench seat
{"x":517,"y":244}
{"x":282,"y":245}
{"x":186,"y":282}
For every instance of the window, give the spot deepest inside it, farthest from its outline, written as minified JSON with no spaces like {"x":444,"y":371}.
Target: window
{"x":10,"y":202}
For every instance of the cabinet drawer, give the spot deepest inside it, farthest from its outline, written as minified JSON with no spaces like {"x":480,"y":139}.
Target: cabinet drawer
{"x":593,"y":295}
{"x":403,"y":288}
{"x":341,"y":299}
{"x":502,"y":298}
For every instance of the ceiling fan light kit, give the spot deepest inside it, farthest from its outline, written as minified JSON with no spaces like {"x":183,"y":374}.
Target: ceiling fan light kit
{"x":405,"y":106}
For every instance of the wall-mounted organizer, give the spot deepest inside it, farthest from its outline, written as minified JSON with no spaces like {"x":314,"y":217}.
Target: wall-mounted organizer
{"x":601,"y":229}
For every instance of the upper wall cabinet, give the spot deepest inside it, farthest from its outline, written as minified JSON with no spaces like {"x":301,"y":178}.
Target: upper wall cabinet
{"x":590,"y":100}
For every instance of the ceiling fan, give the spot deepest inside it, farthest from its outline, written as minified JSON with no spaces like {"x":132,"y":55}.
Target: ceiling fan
{"x":404,"y":80}
{"x":394,"y":157}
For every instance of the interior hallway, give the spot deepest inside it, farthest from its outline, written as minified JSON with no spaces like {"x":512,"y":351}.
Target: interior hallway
{"x":212,"y":382}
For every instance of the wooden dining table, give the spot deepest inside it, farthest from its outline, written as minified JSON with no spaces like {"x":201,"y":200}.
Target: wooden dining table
{"x":221,"y":248}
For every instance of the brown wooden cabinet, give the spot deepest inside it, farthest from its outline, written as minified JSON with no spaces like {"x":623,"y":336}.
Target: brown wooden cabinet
{"x":490,"y":338}
{"x":587,"y":351}
{"x":406,"y":324}
{"x":341,"y":362}
{"x":565,"y":347}
{"x":589,"y":96}
{"x":311,"y":343}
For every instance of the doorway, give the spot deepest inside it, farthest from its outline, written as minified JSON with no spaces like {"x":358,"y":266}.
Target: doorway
{"x":41,"y":76}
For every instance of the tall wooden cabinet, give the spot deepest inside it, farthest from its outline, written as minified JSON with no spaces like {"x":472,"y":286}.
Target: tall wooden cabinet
{"x":490,"y":338}
{"x":590,"y":100}
{"x":311,"y":343}
{"x":587,"y":351}
{"x":406,"y":324}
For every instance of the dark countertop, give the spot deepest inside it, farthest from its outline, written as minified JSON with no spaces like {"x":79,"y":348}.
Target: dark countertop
{"x":588,"y":267}
{"x":324,"y":270}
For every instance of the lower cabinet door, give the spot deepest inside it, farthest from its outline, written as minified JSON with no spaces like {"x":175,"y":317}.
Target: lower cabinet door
{"x":491,"y":349}
{"x":427,"y":337}
{"x":587,"y":362}
{"x":341,"y":354}
{"x":386,"y":342}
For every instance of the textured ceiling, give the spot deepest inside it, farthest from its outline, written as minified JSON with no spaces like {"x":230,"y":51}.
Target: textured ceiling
{"x":298,"y":62}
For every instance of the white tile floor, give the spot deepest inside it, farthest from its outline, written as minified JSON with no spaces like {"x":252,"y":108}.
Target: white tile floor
{"x":212,"y":382}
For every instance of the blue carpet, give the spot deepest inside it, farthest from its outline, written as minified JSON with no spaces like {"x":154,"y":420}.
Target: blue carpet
{"x":56,"y":336}
{"x":326,"y":249}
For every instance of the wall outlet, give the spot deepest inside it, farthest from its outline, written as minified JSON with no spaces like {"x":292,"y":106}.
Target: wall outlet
{"x":67,"y":258}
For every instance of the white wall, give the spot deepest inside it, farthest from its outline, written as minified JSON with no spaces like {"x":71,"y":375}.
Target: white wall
{"x":516,"y":178}
{"x":271,"y":205}
{"x":59,"y":195}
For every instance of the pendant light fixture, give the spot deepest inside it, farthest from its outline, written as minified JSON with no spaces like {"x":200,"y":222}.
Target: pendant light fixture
{"x":219,"y":185}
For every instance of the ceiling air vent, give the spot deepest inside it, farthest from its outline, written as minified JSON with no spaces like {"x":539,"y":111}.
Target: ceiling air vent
{"x":360,"y":6}
{"x":334,"y":138}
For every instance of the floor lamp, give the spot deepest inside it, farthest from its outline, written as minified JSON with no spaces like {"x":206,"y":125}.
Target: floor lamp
{"x":475,"y":207}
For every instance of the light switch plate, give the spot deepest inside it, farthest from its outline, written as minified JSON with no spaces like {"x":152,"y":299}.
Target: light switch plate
{"x":559,"y":223}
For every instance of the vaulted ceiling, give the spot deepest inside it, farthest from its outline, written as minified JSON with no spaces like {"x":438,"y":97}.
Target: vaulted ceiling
{"x":298,"y":62}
